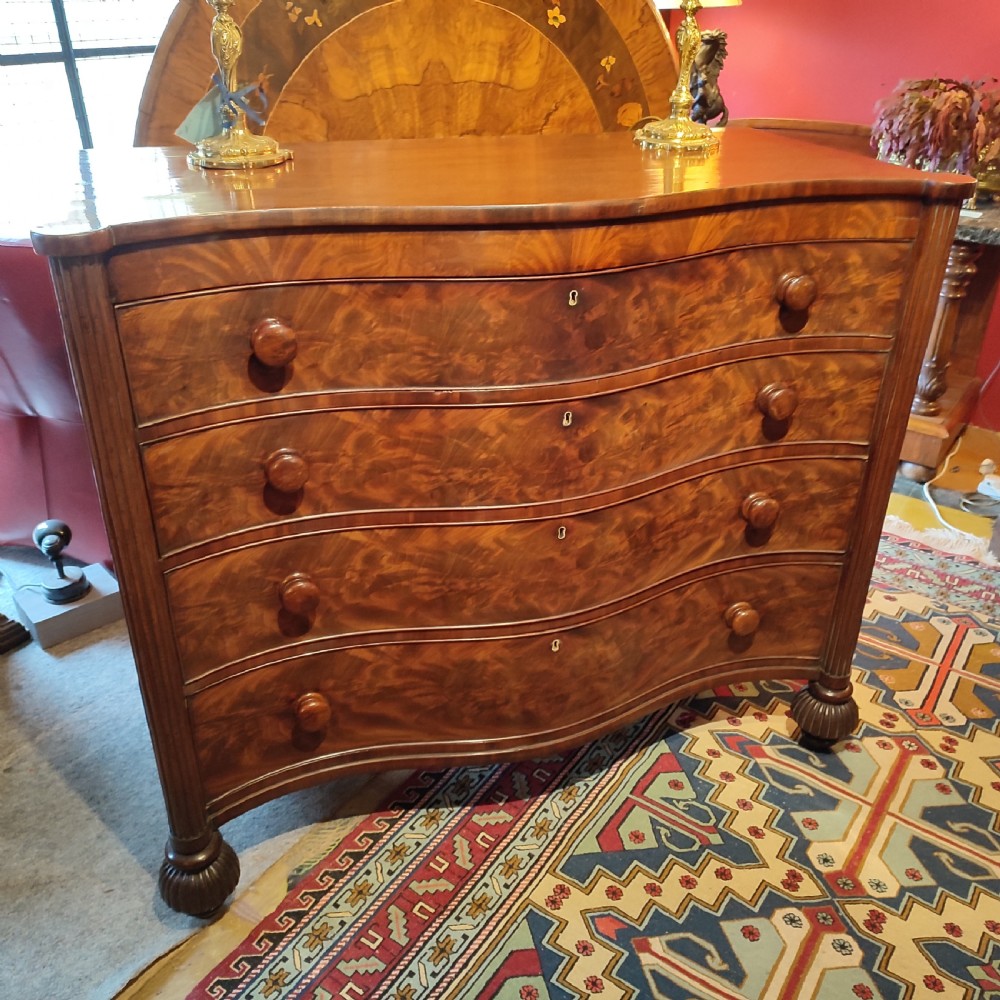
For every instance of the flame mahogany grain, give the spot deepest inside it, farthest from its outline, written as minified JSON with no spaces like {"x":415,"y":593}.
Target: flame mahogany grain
{"x":501,"y":477}
{"x":195,"y":351}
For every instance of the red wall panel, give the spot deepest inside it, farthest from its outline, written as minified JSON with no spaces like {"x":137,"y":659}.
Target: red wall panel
{"x":833,"y":61}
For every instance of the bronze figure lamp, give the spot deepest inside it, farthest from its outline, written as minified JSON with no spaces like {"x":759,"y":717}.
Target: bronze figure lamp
{"x":696,"y":98}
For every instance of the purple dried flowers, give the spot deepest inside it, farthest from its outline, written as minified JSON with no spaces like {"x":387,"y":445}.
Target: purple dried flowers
{"x":939,"y":124}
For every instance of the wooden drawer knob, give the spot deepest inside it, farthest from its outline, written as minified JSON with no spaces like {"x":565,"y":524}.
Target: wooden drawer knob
{"x":299,"y":594}
{"x":273,"y":343}
{"x":742,"y":619}
{"x":796,"y":291}
{"x":760,"y":511}
{"x":777,"y":401}
{"x":312,"y":712}
{"x":286,"y":470}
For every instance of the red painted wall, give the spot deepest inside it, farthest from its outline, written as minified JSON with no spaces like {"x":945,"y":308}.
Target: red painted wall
{"x":834,"y":60}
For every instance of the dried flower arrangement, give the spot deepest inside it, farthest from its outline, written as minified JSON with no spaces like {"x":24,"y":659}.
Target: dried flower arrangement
{"x":940,"y":124}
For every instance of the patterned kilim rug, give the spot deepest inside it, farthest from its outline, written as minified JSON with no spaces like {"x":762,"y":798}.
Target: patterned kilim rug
{"x":907,"y":564}
{"x":701,"y":853}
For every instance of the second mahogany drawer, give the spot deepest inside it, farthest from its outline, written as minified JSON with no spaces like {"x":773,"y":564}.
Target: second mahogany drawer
{"x":286,"y":469}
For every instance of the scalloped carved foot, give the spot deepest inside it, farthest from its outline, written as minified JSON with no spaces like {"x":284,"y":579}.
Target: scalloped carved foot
{"x":824,"y":714}
{"x":198,"y":882}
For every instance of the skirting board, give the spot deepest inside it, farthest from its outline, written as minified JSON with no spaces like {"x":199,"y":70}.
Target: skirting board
{"x":53,"y":623}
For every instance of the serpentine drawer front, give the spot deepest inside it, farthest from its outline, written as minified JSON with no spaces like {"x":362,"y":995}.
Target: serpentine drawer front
{"x":368,"y":699}
{"x":393,"y":480}
{"x":479,"y":452}
{"x":260,"y":599}
{"x":204,"y":350}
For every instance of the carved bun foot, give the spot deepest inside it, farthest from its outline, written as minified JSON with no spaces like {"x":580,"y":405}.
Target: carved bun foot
{"x":915,"y":473}
{"x":824,"y":714}
{"x":198,"y":882}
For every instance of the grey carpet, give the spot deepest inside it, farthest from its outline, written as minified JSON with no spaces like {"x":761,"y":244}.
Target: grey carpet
{"x":82,"y":823}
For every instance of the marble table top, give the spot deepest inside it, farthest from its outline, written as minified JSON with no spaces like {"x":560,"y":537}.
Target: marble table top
{"x":980,"y":225}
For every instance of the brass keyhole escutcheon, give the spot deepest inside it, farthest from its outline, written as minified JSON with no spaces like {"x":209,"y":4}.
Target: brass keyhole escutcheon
{"x":567,"y":418}
{"x":555,"y":645}
{"x":574,"y":297}
{"x":561,"y":532}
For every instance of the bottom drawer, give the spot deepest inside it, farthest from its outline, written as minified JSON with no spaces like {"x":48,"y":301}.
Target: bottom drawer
{"x":476,"y":698}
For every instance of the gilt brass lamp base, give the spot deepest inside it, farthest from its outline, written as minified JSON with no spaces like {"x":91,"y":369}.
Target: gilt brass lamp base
{"x":678,"y":131}
{"x":235,"y":147}
{"x":678,"y":134}
{"x":238,"y":148}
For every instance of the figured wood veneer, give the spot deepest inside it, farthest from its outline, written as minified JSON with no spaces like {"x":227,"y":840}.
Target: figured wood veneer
{"x":230,"y":607}
{"x":478,"y":452}
{"x":191,"y":352}
{"x":428,"y":454}
{"x":364,"y":69}
{"x":224,"y":261}
{"x":482,"y":694}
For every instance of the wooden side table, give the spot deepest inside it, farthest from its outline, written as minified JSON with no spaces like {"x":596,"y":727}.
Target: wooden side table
{"x":948,"y":387}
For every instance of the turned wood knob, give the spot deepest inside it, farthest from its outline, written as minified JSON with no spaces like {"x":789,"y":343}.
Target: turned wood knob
{"x":760,"y":511}
{"x":286,"y":470}
{"x":796,"y":291}
{"x":312,"y":712}
{"x":273,"y":343}
{"x":742,"y":619}
{"x":299,"y":594}
{"x":777,"y":401}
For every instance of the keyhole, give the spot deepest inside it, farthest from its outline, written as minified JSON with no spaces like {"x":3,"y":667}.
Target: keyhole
{"x":574,"y":297}
{"x":567,"y":418}
{"x":561,"y":532}
{"x":555,"y":645}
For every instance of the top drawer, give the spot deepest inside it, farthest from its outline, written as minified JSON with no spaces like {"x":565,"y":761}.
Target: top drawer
{"x":208,"y":350}
{"x":487,"y":241}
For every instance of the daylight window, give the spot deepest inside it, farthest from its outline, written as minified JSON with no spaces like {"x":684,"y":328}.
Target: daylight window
{"x":72,"y":71}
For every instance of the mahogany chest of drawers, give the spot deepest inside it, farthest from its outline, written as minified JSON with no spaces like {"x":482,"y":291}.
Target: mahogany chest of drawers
{"x":451,"y":451}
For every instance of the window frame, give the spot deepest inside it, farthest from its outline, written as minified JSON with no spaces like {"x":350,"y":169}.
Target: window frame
{"x":69,"y":55}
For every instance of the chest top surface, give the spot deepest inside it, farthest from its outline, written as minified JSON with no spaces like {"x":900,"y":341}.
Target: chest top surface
{"x":115,"y":199}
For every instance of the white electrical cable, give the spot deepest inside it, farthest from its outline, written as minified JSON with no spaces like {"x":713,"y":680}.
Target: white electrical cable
{"x":989,"y":378}
{"x":930,"y":500}
{"x":956,"y":540}
{"x":952,"y":539}
{"x":985,"y":384}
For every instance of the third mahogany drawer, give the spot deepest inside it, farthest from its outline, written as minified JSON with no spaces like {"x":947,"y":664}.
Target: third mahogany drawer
{"x":258,"y":599}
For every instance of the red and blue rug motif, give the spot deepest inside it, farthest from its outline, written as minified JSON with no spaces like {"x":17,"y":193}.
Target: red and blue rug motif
{"x":699,"y":854}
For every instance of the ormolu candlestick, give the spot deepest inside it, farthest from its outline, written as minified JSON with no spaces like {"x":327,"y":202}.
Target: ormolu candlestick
{"x":236,"y":147}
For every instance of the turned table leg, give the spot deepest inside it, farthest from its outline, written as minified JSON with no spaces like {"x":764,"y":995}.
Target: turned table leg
{"x":825,"y":711}
{"x":933,"y":378}
{"x":935,"y":421}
